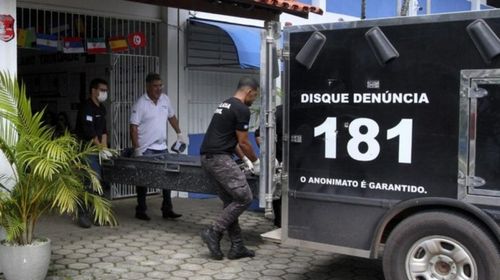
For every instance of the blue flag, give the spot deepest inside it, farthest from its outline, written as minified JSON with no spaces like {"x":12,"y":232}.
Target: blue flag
{"x":46,"y":42}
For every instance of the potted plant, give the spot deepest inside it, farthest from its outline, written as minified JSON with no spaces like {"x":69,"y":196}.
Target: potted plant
{"x":46,"y":174}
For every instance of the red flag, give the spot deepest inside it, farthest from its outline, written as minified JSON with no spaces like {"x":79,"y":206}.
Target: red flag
{"x":96,"y":45}
{"x":137,"y":40}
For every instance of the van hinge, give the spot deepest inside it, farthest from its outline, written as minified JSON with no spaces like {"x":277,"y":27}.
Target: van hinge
{"x":475,"y":181}
{"x":285,"y":54}
{"x":477,"y":92}
{"x":284,"y":177}
{"x":461,"y":178}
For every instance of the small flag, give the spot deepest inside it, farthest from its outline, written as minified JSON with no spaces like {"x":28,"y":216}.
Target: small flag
{"x":137,"y":40}
{"x":26,"y":38}
{"x":21,"y":37}
{"x":118,"y":44}
{"x":73,"y":45}
{"x":46,"y":42}
{"x":30,"y":38}
{"x":96,"y":45}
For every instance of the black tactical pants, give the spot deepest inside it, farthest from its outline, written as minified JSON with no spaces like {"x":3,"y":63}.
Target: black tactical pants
{"x":233,"y":190}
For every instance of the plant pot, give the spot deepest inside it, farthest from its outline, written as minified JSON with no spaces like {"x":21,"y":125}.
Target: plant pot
{"x":29,"y":262}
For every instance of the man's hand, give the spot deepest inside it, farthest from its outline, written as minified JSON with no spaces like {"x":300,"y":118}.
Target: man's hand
{"x":256,"y":167}
{"x":105,"y":154}
{"x":137,"y":152}
{"x":248,"y":163}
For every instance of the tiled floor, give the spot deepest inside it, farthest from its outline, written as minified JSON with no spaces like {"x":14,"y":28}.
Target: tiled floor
{"x":168,"y":249}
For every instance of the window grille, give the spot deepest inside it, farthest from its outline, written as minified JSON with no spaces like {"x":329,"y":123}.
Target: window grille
{"x":88,"y":26}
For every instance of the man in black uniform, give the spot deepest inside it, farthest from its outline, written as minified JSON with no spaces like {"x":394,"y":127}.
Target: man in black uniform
{"x":227,"y":131}
{"x":91,"y":126}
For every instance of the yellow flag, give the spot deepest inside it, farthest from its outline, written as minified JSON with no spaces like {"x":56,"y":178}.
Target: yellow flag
{"x":21,"y":37}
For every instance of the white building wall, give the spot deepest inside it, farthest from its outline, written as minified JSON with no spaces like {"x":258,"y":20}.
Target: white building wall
{"x":207,"y":89}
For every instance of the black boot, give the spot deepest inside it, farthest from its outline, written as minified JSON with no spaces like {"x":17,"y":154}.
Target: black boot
{"x":142,"y":216}
{"x":238,"y":249}
{"x":170,"y":215}
{"x":83,"y":220}
{"x":212,"y":239}
{"x":167,"y":208}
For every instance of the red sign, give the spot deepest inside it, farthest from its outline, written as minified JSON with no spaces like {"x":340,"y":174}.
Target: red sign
{"x":6,"y":28}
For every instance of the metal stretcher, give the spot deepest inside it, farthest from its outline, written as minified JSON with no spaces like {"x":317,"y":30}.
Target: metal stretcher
{"x":165,"y":171}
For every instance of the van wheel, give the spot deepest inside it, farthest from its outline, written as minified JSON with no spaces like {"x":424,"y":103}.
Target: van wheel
{"x":440,"y":246}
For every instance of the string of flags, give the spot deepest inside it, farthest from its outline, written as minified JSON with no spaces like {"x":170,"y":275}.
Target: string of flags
{"x":28,"y":38}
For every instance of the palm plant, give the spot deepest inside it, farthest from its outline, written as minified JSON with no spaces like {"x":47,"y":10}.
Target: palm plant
{"x":49,"y":174}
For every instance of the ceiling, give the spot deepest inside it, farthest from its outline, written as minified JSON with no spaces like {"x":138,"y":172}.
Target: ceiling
{"x":254,"y":9}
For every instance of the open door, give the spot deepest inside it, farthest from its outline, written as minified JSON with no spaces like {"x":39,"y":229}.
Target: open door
{"x":480,"y":136}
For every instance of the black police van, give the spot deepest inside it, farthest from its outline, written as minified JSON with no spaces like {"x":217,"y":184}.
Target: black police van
{"x":392,"y":143}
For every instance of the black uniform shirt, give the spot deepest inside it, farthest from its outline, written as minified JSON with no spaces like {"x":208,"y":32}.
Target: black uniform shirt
{"x":91,"y":121}
{"x":220,"y":138}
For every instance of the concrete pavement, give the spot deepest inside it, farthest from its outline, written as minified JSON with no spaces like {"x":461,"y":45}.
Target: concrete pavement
{"x":172,"y":249}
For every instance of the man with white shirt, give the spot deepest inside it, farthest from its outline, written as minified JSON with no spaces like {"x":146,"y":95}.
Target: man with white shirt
{"x":148,"y":130}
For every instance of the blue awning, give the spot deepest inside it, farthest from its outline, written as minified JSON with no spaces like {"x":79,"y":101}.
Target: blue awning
{"x":246,"y":40}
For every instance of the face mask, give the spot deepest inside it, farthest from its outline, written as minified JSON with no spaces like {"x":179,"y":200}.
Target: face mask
{"x":103,"y":95}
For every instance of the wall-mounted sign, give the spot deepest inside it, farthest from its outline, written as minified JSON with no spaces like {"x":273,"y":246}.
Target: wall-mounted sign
{"x":6,"y":28}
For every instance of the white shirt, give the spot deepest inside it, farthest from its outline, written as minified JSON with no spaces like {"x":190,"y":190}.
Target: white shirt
{"x":151,"y":120}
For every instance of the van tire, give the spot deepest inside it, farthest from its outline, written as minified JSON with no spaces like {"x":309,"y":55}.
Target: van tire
{"x":443,"y":244}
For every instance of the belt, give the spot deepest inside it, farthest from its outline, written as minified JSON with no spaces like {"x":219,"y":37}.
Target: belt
{"x":209,"y":156}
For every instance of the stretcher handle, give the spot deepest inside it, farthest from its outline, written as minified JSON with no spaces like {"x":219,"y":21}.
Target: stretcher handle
{"x":172,"y":167}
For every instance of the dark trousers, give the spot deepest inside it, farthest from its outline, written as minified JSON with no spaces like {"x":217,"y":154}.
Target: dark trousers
{"x":142,"y":191}
{"x":233,"y":190}
{"x":93,"y":161}
{"x":166,"y":205}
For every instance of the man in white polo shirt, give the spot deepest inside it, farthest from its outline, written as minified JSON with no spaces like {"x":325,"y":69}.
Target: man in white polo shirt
{"x":148,"y":130}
